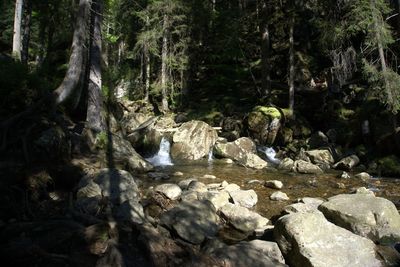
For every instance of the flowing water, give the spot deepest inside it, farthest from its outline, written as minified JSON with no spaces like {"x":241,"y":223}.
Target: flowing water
{"x":162,"y":158}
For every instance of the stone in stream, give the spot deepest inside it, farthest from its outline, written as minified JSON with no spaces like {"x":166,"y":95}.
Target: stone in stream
{"x":231,"y":187}
{"x":193,"y":221}
{"x":363,"y":190}
{"x":363,"y":176}
{"x":185,"y":183}
{"x":193,"y":140}
{"x":320,"y":156}
{"x":197,"y":187}
{"x":244,"y":198}
{"x":171,"y":191}
{"x":286,"y":164}
{"x":209,"y":176}
{"x":243,"y":219}
{"x":218,"y":199}
{"x":307,"y":239}
{"x":279,"y":196}
{"x":364,"y":214}
{"x":302,"y":166}
{"x":255,"y":253}
{"x":177,"y":173}
{"x":347,"y":163}
{"x":275,"y":184}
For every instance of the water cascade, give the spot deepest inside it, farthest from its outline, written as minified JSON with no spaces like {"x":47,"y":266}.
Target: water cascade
{"x":162,"y":158}
{"x":270,"y":154}
{"x":210,"y":155}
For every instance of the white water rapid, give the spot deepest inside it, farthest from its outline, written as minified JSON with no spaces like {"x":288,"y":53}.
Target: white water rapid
{"x":162,"y":158}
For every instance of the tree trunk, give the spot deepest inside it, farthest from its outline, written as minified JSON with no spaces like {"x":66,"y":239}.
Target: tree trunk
{"x":265,"y":51}
{"x":27,"y":32}
{"x":291,"y":68}
{"x":147,"y":76}
{"x":94,"y":118}
{"x":17,"y":41}
{"x":164,"y":71}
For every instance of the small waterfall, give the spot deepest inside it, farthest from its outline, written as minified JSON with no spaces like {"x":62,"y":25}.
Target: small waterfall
{"x":162,"y":158}
{"x":210,"y":155}
{"x":270,"y":154}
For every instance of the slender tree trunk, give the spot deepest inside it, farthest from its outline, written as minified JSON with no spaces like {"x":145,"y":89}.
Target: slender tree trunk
{"x":164,"y":71}
{"x":27,"y":32}
{"x":94,"y":118}
{"x":17,"y":37}
{"x":147,"y":77}
{"x":265,"y":51}
{"x":291,"y":68}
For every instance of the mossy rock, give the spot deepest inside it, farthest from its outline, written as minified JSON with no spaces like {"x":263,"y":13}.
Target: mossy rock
{"x":389,"y":166}
{"x":271,"y":112}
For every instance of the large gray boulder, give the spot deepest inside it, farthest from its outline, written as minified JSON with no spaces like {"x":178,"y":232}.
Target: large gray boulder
{"x":244,"y":198}
{"x":193,"y":221}
{"x":256,"y":253}
{"x":302,"y":166}
{"x":243,"y":151}
{"x":171,"y":191}
{"x":193,"y":140}
{"x":307,"y":239}
{"x":347,"y":163}
{"x":243,"y":219}
{"x":364,"y":214}
{"x":320,"y":156}
{"x":264,"y":123}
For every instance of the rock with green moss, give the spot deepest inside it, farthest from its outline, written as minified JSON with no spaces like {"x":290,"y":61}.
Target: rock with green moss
{"x":264,"y":123}
{"x":389,"y":166}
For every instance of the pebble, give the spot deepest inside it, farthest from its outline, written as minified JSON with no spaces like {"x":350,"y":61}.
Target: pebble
{"x":274,"y":184}
{"x":209,"y":176}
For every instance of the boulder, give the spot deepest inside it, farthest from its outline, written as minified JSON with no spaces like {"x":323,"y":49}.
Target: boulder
{"x":317,"y":139}
{"x":243,"y":151}
{"x":193,"y":221}
{"x":286,"y":164}
{"x":256,"y":253}
{"x":279,"y":196}
{"x":299,"y":207}
{"x":363,"y":176}
{"x":218,"y":199}
{"x":364,"y":214}
{"x":231,"y":187}
{"x":275,"y":184}
{"x":307,"y":239}
{"x":171,"y":191}
{"x":263,"y":124}
{"x":243,"y":219}
{"x":302,"y":166}
{"x":185,"y":183}
{"x":347,"y":163}
{"x":244,"y":198}
{"x":193,"y":140}
{"x":130,"y":211}
{"x":320,"y":156}
{"x":198,"y":187}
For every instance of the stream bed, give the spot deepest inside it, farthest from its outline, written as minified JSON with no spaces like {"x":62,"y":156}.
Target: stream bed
{"x":295,"y":185}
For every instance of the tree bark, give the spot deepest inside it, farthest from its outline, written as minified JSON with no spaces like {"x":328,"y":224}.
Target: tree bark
{"x":164,"y":71}
{"x":27,"y":32}
{"x":265,"y":51}
{"x":17,"y":37}
{"x":291,"y":68}
{"x":94,"y":118}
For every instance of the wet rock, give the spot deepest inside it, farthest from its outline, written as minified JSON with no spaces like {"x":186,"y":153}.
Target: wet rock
{"x":218,"y":199}
{"x":130,"y":211}
{"x":243,"y":219}
{"x":363,"y":176}
{"x":302,"y":166}
{"x":286,"y":164}
{"x":193,"y":221}
{"x":345,"y":175}
{"x":257,"y":253}
{"x":307,"y":239}
{"x":243,"y":151}
{"x":318,"y":139}
{"x":275,"y":184}
{"x":244,"y":198}
{"x":368,"y":216}
{"x":171,"y":191}
{"x":347,"y":163}
{"x":193,"y":140}
{"x":279,"y":196}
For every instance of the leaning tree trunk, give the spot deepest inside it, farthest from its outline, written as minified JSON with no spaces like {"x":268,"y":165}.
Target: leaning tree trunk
{"x":265,"y":51}
{"x":17,"y":37}
{"x":164,"y":58}
{"x":291,"y":69}
{"x":27,"y":32}
{"x":94,"y":118}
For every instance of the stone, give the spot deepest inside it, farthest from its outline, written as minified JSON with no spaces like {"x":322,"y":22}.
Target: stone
{"x":363,"y":190}
{"x":263,"y":124}
{"x":347,"y":163}
{"x":279,"y":196}
{"x":209,"y":176}
{"x":320,"y":156}
{"x":158,"y":176}
{"x":177,"y":173}
{"x":185,"y":183}
{"x":231,"y":187}
{"x":345,"y":175}
{"x":275,"y":184}
{"x":364,"y":214}
{"x":307,"y":239}
{"x":193,"y":140}
{"x":197,"y":187}
{"x":286,"y":164}
{"x":224,"y":184}
{"x":171,"y":191}
{"x":189,"y":196}
{"x":227,"y":161}
{"x":192,"y":221}
{"x":243,"y":151}
{"x":255,"y":253}
{"x":302,"y":166}
{"x":363,"y":176}
{"x":218,"y":199}
{"x":340,"y":185}
{"x":244,"y":198}
{"x":242,"y":218}
{"x":311,"y":200}
{"x":90,"y":190}
{"x":130,"y":211}
{"x":255,"y":181}
{"x":299,"y":207}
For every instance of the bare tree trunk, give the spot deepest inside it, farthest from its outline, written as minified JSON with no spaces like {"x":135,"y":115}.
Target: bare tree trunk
{"x":265,"y":51}
{"x":27,"y":32}
{"x":17,"y":37}
{"x":291,"y":68}
{"x":94,"y":118}
{"x":164,"y":71}
{"x":147,"y":76}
